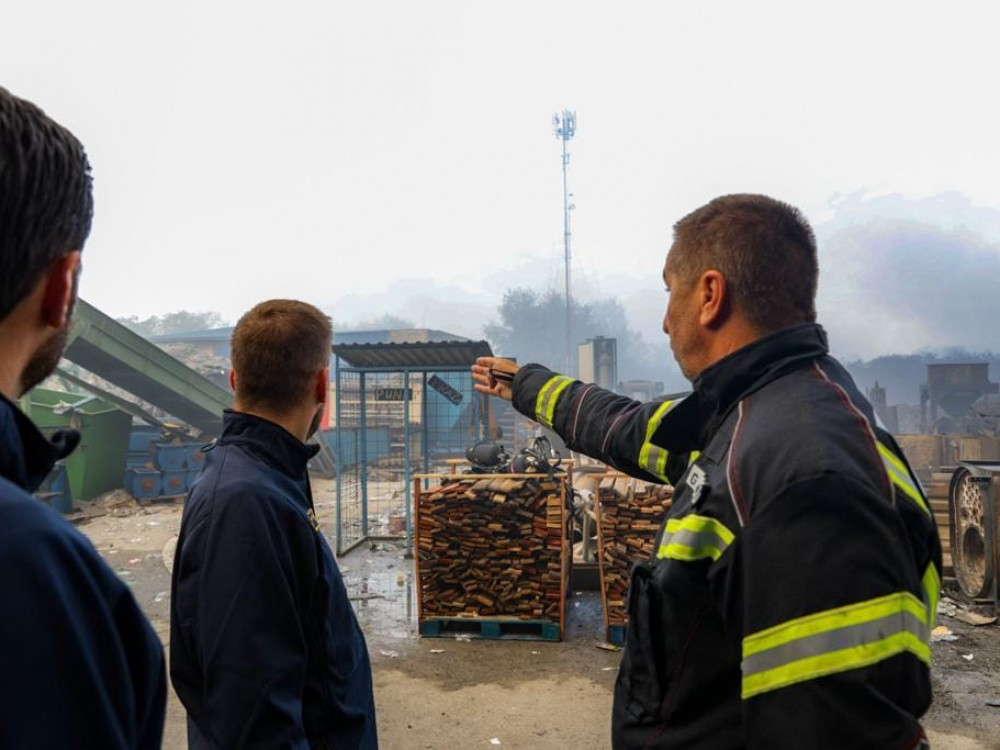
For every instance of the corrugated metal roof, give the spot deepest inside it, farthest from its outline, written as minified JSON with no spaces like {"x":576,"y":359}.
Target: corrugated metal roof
{"x":384,"y":336}
{"x":413,"y":356}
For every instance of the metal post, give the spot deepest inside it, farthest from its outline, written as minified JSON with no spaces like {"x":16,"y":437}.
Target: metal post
{"x":475,"y":416}
{"x":406,"y":449}
{"x":340,"y":465}
{"x":363,"y":456}
{"x":566,"y":248}
{"x":564,"y":127}
{"x":426,"y":444}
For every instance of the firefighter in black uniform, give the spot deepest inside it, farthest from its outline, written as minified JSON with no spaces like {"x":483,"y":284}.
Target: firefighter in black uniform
{"x":794,"y":582}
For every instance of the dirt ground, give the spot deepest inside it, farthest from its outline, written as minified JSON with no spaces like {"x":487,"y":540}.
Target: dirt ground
{"x":445,"y":693}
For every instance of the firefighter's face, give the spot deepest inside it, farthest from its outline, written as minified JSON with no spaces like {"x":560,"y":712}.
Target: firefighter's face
{"x":681,"y":324}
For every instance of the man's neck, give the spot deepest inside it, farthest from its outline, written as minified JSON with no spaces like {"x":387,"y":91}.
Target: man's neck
{"x":733,"y":337}
{"x":296,"y":423}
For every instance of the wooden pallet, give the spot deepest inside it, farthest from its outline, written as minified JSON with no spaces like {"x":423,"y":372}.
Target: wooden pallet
{"x":491,"y":628}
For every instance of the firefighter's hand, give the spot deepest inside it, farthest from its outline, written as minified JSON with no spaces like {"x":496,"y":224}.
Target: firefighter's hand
{"x":494,"y":376}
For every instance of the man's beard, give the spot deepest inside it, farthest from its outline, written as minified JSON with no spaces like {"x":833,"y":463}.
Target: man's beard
{"x":43,"y":362}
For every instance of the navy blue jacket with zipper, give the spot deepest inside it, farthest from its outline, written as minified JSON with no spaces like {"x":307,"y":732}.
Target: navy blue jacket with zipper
{"x":794,"y":580}
{"x":80,"y":666}
{"x":266,"y":651}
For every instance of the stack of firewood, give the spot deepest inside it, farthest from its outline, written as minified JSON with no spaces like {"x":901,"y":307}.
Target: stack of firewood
{"x":630,"y":514}
{"x":492,"y":546}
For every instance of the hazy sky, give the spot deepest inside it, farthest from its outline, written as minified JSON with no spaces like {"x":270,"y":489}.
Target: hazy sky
{"x":336,"y":152}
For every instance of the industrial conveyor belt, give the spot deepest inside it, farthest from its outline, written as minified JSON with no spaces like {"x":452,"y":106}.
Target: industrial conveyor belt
{"x":108,"y":349}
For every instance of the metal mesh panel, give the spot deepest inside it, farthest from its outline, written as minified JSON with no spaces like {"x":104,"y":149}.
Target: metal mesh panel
{"x":345,"y":441}
{"x":386,"y":397}
{"x":392,"y":425}
{"x":455,"y":417}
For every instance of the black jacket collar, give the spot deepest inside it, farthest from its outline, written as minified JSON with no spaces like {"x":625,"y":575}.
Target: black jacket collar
{"x":721,"y":386}
{"x":26,"y":456}
{"x":280,"y":448}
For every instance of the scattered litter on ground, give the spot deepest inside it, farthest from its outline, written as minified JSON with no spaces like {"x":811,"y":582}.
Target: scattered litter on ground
{"x":535,"y":653}
{"x":947,"y":607}
{"x":994,"y":702}
{"x":152,"y":523}
{"x":609,"y":647}
{"x":973,"y":618}
{"x":364,"y":597}
{"x":135,"y":560}
{"x":118,"y":504}
{"x":609,"y":669}
{"x":400,"y":579}
{"x":161,"y":596}
{"x":495,"y":741}
{"x":941,"y":633}
{"x":437,"y":650}
{"x":968,"y":657}
{"x":463,"y":639}
{"x":963,"y":613}
{"x":390,"y":654}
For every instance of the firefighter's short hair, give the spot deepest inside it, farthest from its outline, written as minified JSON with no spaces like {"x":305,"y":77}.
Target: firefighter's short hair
{"x":764,"y":248}
{"x":278,"y":349}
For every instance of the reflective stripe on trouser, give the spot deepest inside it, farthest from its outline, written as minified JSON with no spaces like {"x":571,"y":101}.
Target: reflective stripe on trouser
{"x":653,"y":458}
{"x":901,"y":477}
{"x":932,"y":592}
{"x":548,"y":397}
{"x":694,"y":538}
{"x":835,"y":641}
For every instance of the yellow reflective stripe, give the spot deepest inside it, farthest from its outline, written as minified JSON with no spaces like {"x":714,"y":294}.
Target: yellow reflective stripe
{"x":550,"y":412}
{"x":836,"y":640}
{"x":661,"y":463}
{"x":900,"y":476}
{"x":932,"y":592}
{"x":693,"y":538}
{"x":540,"y":401}
{"x":693,"y":457}
{"x":658,"y":466}
{"x":844,"y":660}
{"x":545,"y":404}
{"x":832,"y":619}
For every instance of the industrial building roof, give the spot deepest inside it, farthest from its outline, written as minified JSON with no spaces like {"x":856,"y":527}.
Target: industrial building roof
{"x":413,"y":356}
{"x":383,"y":336}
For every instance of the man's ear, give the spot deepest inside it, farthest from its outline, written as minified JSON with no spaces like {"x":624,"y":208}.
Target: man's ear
{"x":713,"y":298}
{"x":323,"y":386}
{"x":60,"y":285}
{"x":232,"y":380}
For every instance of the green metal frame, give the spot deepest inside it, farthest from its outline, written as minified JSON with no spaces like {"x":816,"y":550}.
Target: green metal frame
{"x":106,"y":348}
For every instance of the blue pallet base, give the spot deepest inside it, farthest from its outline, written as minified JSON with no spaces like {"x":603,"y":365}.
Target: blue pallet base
{"x":482,"y":627}
{"x":616,"y":634}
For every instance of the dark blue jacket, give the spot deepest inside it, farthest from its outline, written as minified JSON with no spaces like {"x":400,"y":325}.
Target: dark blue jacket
{"x":265,"y":649}
{"x":80,"y":667}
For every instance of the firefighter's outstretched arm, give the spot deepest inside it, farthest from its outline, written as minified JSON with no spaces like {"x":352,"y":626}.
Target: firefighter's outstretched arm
{"x":590,"y":420}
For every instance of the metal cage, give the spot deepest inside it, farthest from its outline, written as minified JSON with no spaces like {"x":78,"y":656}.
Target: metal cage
{"x":400,"y":409}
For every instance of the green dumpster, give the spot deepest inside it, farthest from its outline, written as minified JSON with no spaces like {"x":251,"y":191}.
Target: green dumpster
{"x":98,"y":464}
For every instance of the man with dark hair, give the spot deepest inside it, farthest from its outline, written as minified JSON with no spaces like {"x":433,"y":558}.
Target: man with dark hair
{"x":80,"y":666}
{"x":794,"y":582}
{"x":266,"y":651}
